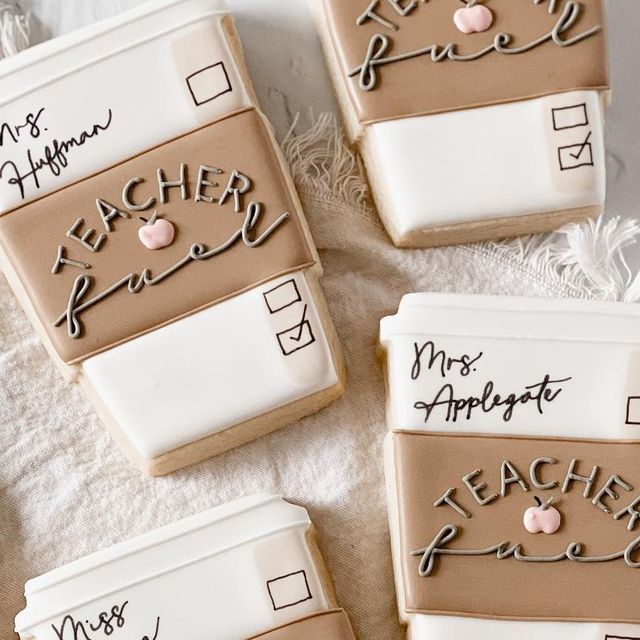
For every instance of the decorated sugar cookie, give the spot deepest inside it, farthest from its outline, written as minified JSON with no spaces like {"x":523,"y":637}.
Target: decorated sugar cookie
{"x":164,"y":258}
{"x":175,"y":583}
{"x":476,"y":119}
{"x":511,"y":466}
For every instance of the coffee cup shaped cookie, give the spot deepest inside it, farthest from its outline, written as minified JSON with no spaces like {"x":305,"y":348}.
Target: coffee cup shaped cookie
{"x":513,"y":486}
{"x":247,"y":570}
{"x":476,"y":119}
{"x":153,"y":234}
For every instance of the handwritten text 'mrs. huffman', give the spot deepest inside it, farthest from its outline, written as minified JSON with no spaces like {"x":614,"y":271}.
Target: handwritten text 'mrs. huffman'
{"x":53,"y":158}
{"x":538,"y":394}
{"x":11,"y":132}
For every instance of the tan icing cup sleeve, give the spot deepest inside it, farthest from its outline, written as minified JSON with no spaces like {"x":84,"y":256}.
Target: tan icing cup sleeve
{"x":419,"y":86}
{"x":331,"y":625}
{"x":32,"y":237}
{"x":427,"y":466}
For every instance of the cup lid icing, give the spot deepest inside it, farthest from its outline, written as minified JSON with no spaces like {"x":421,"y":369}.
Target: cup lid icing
{"x":513,"y":317}
{"x":161,"y":551}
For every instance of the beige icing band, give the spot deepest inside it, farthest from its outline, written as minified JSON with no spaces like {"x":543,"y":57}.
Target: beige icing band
{"x":229,"y":235}
{"x":332,"y":625}
{"x":534,"y":582}
{"x":453,"y":73}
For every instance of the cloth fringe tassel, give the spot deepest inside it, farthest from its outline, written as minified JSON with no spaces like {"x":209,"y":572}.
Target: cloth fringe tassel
{"x":15,"y":30}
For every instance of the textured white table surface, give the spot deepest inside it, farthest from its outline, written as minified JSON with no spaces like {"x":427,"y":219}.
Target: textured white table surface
{"x":286,"y":64}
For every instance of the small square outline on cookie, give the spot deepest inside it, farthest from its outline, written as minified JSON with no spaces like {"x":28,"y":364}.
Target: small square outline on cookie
{"x":282,"y":296}
{"x":570,"y":117}
{"x":610,"y":637}
{"x":633,"y":410}
{"x":209,"y":83}
{"x":289,"y":590}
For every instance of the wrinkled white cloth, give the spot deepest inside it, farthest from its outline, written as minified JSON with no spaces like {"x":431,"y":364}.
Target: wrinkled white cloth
{"x":66,"y":490}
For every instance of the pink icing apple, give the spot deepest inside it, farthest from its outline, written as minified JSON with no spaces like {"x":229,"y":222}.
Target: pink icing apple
{"x":542,"y":519}
{"x":474,"y":18}
{"x":157,"y":233}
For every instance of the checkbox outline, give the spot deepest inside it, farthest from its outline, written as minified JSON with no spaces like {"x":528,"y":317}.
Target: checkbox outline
{"x":305,"y":325}
{"x":582,"y":105}
{"x":221,"y":93}
{"x":627,"y":420}
{"x":286,"y":306}
{"x":300,"y":327}
{"x":583,"y":146}
{"x":292,"y":604}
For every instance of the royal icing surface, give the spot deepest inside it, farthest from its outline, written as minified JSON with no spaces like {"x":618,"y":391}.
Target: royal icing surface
{"x":236,"y":572}
{"x":232,"y":362}
{"x":513,"y":366}
{"x":519,"y":158}
{"x":171,"y":53}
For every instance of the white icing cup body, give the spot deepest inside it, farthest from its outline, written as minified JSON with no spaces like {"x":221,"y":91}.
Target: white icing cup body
{"x":457,"y":628}
{"x":561,"y":368}
{"x":249,"y":362}
{"x":526,"y":157}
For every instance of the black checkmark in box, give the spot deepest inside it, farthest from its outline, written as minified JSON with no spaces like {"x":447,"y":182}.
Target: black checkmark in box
{"x":297,"y":337}
{"x":576,"y":156}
